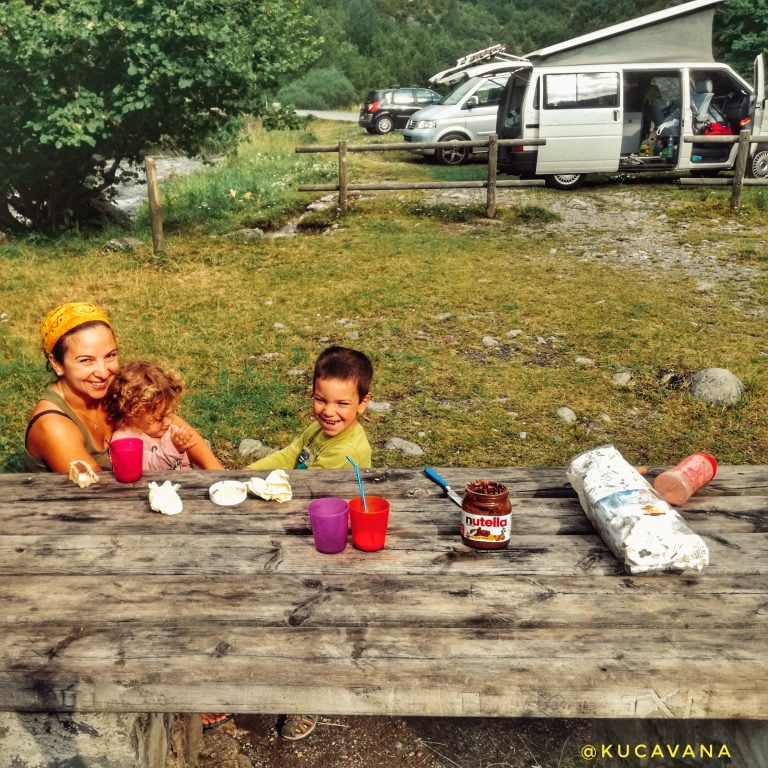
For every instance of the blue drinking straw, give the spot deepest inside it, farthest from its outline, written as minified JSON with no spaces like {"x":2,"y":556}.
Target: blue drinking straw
{"x":359,"y":481}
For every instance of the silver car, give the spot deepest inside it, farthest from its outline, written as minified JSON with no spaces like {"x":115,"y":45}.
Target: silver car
{"x":468,"y":113}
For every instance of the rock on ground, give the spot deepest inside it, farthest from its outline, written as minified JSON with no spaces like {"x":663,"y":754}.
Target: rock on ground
{"x":716,"y":385}
{"x":253,"y":449}
{"x":622,"y":379}
{"x":398,"y":444}
{"x":567,"y":415}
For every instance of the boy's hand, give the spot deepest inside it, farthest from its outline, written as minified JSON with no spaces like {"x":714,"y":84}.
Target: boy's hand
{"x":183,"y":438}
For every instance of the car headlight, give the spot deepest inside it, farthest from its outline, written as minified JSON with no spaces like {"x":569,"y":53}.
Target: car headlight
{"x":426,"y":124}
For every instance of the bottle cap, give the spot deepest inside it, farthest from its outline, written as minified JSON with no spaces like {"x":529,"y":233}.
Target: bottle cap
{"x":711,"y":460}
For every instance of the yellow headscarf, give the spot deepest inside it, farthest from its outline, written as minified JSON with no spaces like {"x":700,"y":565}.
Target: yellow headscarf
{"x":66,"y":317}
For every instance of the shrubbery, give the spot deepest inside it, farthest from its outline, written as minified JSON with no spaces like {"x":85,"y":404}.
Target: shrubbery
{"x":319,"y":89}
{"x":87,"y":83}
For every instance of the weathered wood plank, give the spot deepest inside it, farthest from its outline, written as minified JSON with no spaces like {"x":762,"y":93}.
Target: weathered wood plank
{"x":699,"y":605}
{"x":542,"y":673}
{"x":406,"y":552}
{"x":524,"y":482}
{"x":706,"y":514}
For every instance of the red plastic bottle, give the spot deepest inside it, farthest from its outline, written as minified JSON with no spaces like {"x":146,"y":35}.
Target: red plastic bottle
{"x":678,"y":484}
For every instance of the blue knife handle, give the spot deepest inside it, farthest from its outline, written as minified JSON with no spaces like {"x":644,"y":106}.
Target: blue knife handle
{"x":432,"y":475}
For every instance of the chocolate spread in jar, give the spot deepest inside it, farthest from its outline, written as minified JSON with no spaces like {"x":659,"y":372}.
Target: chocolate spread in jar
{"x":486,"y":515}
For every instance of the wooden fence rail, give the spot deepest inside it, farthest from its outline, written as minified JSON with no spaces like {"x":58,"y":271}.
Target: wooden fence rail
{"x":738,"y":182}
{"x":490,"y":184}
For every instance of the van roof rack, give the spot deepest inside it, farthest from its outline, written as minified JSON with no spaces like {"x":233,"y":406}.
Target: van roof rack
{"x":481,"y":55}
{"x":459,"y":70}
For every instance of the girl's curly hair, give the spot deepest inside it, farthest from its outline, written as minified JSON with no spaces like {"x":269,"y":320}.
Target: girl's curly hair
{"x":141,"y":387}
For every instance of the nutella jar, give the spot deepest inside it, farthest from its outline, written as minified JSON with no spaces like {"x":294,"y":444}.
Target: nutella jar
{"x":486,"y":515}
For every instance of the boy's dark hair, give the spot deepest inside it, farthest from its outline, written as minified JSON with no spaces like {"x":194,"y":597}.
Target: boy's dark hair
{"x":345,"y":364}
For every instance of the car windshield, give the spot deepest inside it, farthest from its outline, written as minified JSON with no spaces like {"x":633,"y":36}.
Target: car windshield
{"x":461,"y":90}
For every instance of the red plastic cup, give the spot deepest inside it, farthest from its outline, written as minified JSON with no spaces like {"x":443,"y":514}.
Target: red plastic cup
{"x":329,"y":519}
{"x":369,"y":529}
{"x":127,"y":455}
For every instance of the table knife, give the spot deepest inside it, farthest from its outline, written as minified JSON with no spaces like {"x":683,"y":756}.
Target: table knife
{"x":432,"y":475}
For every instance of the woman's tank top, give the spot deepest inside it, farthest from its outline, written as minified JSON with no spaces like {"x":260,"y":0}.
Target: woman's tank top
{"x":31,"y":464}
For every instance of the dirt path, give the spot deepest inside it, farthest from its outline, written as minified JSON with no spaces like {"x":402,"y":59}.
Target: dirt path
{"x":395,"y":742}
{"x":627,"y":224}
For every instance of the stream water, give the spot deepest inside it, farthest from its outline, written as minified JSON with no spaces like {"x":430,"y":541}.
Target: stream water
{"x":130,"y":195}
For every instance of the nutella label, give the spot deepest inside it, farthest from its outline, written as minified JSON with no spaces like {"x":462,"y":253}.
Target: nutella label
{"x":485,"y":527}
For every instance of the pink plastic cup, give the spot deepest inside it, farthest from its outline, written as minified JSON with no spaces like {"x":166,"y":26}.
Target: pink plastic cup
{"x":329,"y":519}
{"x":369,"y":529}
{"x":127,"y":455}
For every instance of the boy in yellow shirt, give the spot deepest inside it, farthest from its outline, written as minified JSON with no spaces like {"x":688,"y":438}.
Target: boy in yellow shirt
{"x":340,"y":393}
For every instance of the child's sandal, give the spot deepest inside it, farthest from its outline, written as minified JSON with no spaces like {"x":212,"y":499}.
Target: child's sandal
{"x":298,"y":727}
{"x":214,"y":720}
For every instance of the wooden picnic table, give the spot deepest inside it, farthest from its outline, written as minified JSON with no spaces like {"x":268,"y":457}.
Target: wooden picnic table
{"x":109,"y":607}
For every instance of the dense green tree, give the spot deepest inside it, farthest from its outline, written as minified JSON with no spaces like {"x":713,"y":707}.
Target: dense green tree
{"x":383,"y":42}
{"x":741,"y":32}
{"x":87,"y":80}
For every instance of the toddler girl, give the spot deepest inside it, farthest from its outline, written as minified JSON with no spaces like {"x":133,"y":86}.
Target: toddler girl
{"x":140,"y":403}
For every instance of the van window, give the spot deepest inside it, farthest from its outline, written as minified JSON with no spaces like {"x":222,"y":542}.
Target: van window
{"x":489,"y":93}
{"x":581,"y":90}
{"x":458,"y":93}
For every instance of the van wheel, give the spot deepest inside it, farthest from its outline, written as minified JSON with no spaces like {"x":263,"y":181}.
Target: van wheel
{"x":452,"y":155}
{"x":383,"y":125}
{"x":565,"y":181}
{"x":758,"y":165}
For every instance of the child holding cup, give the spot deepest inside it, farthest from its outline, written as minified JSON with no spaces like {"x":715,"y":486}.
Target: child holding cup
{"x":140,"y":403}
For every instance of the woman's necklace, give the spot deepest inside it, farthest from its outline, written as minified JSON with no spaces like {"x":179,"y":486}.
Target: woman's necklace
{"x":89,"y":420}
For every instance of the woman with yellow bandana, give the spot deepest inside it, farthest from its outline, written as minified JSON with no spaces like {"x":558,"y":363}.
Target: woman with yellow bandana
{"x":70,"y":422}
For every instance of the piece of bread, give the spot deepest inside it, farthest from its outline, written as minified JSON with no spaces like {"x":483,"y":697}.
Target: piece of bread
{"x":81,"y":473}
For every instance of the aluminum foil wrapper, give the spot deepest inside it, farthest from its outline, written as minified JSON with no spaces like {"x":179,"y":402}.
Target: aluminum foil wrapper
{"x":275,"y":487}
{"x":639,"y":528}
{"x":165,"y":498}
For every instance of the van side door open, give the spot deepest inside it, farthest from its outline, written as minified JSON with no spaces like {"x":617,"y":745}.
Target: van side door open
{"x":581,"y":118}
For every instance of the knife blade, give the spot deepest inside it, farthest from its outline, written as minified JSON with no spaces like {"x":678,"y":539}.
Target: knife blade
{"x":435,"y":477}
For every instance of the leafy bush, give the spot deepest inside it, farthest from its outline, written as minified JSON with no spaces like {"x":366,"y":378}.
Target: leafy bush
{"x":277,"y":117}
{"x":319,"y":89}
{"x":87,"y":80}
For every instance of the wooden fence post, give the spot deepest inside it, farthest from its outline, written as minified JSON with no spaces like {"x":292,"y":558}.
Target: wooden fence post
{"x":493,"y":155}
{"x":155,"y":214}
{"x":742,"y":157}
{"x":342,"y":176}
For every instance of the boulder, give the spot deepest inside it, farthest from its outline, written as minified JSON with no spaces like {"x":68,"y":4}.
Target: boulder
{"x":716,"y":385}
{"x":567,"y":415}
{"x":398,"y":444}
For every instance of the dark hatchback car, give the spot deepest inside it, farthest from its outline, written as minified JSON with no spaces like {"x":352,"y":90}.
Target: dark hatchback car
{"x":389,"y":108}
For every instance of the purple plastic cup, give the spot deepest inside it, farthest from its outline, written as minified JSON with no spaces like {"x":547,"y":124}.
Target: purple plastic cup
{"x":127,"y":456}
{"x":329,"y":518}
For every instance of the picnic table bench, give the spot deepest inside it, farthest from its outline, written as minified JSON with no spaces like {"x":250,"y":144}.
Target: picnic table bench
{"x":109,"y":607}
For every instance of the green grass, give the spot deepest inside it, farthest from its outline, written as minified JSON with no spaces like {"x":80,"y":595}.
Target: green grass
{"x":421,"y":284}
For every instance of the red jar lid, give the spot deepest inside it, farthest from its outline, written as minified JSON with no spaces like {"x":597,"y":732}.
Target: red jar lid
{"x":711,"y":460}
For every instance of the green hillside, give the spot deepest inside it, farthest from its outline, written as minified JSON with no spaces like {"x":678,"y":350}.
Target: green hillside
{"x":377,"y":43}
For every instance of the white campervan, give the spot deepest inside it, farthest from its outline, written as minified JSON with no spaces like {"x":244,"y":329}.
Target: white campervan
{"x":621,"y":98}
